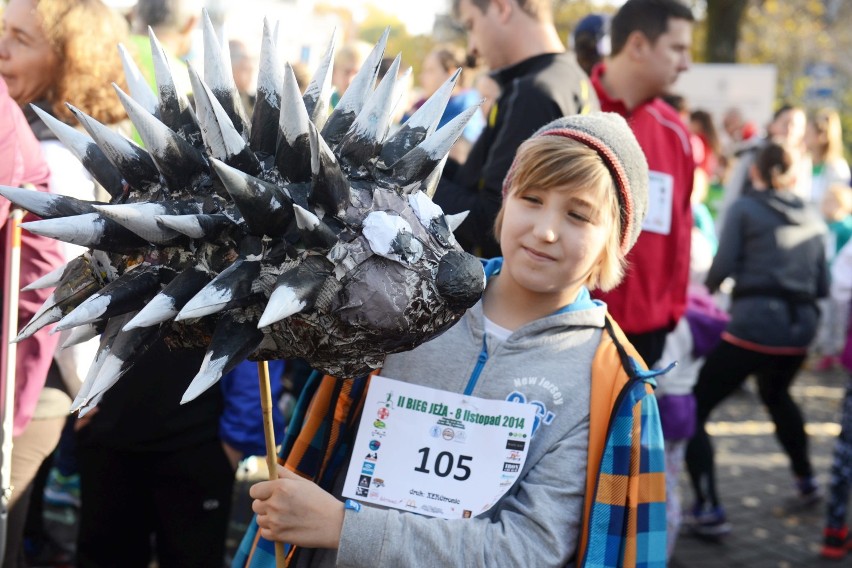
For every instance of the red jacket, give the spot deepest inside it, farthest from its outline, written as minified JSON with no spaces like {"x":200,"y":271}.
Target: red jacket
{"x":21,"y":162}
{"x":653,"y":293}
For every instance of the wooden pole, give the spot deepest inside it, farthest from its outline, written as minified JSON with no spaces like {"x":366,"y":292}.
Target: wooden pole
{"x":269,"y":432}
{"x":11,"y":283}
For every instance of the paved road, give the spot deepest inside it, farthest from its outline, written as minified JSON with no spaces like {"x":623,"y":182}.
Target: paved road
{"x":754,"y":480}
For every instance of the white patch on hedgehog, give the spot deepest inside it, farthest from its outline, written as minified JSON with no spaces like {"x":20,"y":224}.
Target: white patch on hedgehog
{"x":380,"y":230}
{"x":424,"y":208}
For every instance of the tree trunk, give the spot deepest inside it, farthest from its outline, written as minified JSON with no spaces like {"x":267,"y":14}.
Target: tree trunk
{"x":723,"y":29}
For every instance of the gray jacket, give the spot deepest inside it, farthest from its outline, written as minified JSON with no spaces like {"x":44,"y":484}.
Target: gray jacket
{"x":772,"y":245}
{"x":547,"y":363}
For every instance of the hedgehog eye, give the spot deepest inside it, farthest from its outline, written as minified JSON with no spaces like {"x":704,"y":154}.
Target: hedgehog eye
{"x":391,"y":236}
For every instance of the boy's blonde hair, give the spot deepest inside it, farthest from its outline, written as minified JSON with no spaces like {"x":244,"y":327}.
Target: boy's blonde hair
{"x":562,"y":164}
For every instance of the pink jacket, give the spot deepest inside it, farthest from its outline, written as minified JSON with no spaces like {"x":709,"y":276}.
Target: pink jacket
{"x":21,"y":162}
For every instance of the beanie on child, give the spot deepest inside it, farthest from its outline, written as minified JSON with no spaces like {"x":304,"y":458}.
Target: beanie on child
{"x":609,"y":135}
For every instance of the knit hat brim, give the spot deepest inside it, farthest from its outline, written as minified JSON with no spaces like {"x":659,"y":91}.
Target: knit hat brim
{"x":610,"y":136}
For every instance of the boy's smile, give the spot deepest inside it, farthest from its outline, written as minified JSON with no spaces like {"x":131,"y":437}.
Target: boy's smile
{"x":552,"y":239}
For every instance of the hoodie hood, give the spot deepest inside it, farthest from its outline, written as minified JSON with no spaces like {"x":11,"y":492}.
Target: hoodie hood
{"x":788,"y":206}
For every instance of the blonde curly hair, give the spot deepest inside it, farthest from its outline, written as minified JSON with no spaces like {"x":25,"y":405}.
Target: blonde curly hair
{"x":84,"y":35}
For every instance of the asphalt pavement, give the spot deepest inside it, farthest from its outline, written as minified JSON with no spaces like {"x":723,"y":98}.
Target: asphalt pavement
{"x":756,"y":484}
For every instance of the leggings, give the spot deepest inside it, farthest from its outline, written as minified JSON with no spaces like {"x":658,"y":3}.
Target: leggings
{"x":726,"y":368}
{"x":841,"y":466}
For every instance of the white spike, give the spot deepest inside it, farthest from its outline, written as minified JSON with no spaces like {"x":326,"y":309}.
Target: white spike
{"x":139,"y":218}
{"x":269,"y":78}
{"x":219,"y":133}
{"x":185,"y":224}
{"x":88,"y":311}
{"x":217,"y":57}
{"x":79,"y":335}
{"x":136,"y":83}
{"x":209,"y":300}
{"x":211,"y":371}
{"x":306,"y":220}
{"x":356,"y":94}
{"x":161,"y":308}
{"x":437,"y":145}
{"x":49,"y":280}
{"x":453,"y":221}
{"x":429,"y":114}
{"x":293,"y":120}
{"x":80,"y":230}
{"x":283,"y":303}
{"x":112,"y":143}
{"x":89,"y":381}
{"x":373,"y":120}
{"x":72,"y":138}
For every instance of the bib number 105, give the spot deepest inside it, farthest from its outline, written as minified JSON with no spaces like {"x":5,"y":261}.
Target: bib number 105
{"x":444,"y":464}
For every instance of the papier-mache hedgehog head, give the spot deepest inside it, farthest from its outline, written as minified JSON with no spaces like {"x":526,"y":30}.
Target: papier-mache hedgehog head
{"x":299,"y":233}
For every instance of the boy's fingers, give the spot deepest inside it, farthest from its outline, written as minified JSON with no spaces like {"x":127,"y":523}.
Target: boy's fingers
{"x":262,"y":490}
{"x":284,"y":473}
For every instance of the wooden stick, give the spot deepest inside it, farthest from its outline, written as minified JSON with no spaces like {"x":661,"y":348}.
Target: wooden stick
{"x":12,"y":284}
{"x":269,"y":432}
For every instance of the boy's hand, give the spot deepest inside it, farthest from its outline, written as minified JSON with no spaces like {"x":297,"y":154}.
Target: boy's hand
{"x":295,"y":510}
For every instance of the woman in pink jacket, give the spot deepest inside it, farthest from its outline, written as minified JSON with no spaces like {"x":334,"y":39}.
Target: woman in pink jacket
{"x":21,"y":164}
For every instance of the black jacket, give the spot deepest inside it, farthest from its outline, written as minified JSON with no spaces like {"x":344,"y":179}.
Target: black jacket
{"x":534,"y":92}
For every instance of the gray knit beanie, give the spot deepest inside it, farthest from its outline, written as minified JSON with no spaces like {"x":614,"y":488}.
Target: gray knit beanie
{"x":610,"y":136}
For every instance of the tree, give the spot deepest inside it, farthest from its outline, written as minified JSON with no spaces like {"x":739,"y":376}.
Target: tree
{"x":722,"y":28}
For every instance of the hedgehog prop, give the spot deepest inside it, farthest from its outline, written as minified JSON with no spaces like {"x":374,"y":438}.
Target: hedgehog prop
{"x":300,"y":233}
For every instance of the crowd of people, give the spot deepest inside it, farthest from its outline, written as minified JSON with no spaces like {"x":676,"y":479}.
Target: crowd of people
{"x":587,"y":186}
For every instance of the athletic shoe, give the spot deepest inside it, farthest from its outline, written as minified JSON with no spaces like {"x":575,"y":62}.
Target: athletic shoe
{"x":710,"y":523}
{"x":62,"y":489}
{"x":808,"y":494}
{"x":836,"y":543}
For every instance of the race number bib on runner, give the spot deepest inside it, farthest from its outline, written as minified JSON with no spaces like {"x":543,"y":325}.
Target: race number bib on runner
{"x":436,"y":453}
{"x":660,"y":202}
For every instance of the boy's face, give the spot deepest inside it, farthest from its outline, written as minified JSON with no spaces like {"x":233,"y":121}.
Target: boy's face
{"x":551,"y":240}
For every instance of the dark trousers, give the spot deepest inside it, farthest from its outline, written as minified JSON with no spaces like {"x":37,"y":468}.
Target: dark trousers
{"x":725,"y":369}
{"x":182,"y":498}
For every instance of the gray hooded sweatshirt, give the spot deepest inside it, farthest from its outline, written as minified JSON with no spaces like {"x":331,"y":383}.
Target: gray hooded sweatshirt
{"x":772,"y":245}
{"x":547,"y":363}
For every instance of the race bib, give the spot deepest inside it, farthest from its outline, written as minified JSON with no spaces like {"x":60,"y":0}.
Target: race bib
{"x":660,"y":202}
{"x":436,"y":453}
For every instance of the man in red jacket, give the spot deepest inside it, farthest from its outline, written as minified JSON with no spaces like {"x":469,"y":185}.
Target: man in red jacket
{"x":650,"y":48}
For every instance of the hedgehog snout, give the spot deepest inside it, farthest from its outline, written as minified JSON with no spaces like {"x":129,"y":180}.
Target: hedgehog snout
{"x":460,"y":279}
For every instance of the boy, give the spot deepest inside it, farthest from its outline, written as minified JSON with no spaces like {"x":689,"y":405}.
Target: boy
{"x":575,"y":198}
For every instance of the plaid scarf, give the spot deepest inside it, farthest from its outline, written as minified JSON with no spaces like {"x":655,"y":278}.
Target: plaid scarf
{"x":624,"y":521}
